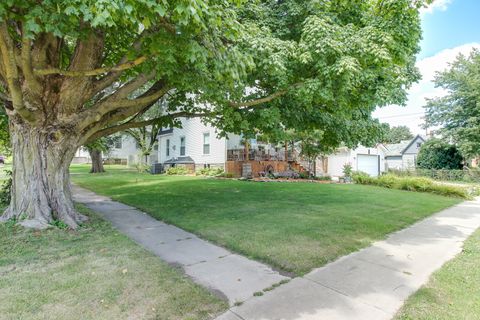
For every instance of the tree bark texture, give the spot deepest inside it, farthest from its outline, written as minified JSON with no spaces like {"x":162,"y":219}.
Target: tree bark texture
{"x":40,"y":178}
{"x":97,"y":161}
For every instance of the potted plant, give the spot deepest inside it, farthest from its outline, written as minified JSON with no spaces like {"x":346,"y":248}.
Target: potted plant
{"x":347,"y":172}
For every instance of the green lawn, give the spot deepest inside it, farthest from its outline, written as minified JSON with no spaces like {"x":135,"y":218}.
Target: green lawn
{"x":292,"y":226}
{"x":453,"y":292}
{"x":92,"y":273}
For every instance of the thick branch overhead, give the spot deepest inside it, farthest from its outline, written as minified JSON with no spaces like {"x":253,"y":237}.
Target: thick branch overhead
{"x":91,"y":73}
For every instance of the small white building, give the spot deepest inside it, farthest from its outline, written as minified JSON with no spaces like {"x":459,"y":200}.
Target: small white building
{"x":368,"y":160}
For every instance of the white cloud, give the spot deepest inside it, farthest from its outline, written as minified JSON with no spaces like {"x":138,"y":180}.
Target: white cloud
{"x":441,"y":5}
{"x":411,"y":115}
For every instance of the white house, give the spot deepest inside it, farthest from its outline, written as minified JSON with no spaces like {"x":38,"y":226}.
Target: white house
{"x":124,"y":150}
{"x":403,"y":155}
{"x":194,"y":143}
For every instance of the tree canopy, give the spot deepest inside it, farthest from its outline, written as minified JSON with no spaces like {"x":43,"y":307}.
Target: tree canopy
{"x":327,"y":63}
{"x":458,"y":113}
{"x":397,"y":134}
{"x":438,"y":154}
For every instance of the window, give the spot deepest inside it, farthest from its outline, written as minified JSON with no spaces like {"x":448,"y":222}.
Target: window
{"x":167,"y":146}
{"x":118,"y":143}
{"x":182,"y":146}
{"x":419,"y":144}
{"x":155,"y":146}
{"x":206,"y":143}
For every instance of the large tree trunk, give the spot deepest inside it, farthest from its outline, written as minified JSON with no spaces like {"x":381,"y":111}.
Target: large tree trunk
{"x":41,"y":181}
{"x":97,"y":161}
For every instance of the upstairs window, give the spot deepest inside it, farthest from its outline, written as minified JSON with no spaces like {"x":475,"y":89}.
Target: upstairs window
{"x":206,"y":143}
{"x":182,"y":146}
{"x":118,"y":143}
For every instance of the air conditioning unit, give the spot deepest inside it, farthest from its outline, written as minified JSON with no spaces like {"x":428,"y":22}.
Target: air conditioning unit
{"x":156,"y":168}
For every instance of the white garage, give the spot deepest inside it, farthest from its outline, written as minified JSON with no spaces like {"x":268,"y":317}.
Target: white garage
{"x":368,"y":163}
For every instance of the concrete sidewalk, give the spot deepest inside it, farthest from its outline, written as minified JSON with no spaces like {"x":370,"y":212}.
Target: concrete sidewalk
{"x":229,"y":275}
{"x":372,"y":283}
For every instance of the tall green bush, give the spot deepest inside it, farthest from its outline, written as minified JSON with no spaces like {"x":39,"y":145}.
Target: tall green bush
{"x":437,"y":154}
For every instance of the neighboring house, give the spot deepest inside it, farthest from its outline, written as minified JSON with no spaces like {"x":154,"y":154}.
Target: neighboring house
{"x":403,"y":155}
{"x":194,"y":145}
{"x":81,"y":156}
{"x":368,"y":160}
{"x":124,"y":151}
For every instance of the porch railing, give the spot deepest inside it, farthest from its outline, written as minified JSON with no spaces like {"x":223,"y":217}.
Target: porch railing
{"x":260,"y":155}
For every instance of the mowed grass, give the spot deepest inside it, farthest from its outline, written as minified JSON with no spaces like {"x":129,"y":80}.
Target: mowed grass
{"x":92,"y":273}
{"x":453,"y":292}
{"x":294,"y":227}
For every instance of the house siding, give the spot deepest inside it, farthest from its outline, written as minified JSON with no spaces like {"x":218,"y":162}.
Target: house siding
{"x":129,"y":148}
{"x":193,"y":129}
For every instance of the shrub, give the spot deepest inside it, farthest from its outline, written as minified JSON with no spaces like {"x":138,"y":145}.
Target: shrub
{"x":362,"y":178}
{"x":347,"y":170}
{"x":177,"y":171}
{"x":142,"y":167}
{"x":386,"y":181}
{"x":211,"y":172}
{"x":6,"y":189}
{"x":323,"y":178}
{"x":304,"y":175}
{"x":419,"y":184}
{"x":438,"y":154}
{"x":226,"y":175}
{"x":288,"y":174}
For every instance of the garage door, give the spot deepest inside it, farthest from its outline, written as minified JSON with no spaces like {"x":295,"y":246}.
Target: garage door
{"x":368,"y":164}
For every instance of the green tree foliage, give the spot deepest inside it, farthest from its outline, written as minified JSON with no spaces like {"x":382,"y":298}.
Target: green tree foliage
{"x":5,"y":146}
{"x":146,"y":137}
{"x":438,"y":154}
{"x":319,"y":64}
{"x":458,"y":113}
{"x":397,"y":134}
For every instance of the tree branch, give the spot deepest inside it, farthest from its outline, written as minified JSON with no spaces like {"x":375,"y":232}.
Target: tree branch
{"x":94,"y":72}
{"x":13,"y":80}
{"x":121,"y":108}
{"x":26,"y":59}
{"x":268,"y":98}
{"x":138,"y":124}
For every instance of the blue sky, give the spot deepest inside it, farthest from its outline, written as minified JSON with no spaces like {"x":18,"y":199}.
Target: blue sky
{"x":457,"y":23}
{"x":449,"y":27}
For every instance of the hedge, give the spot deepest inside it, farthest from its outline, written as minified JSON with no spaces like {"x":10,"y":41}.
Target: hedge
{"x":419,"y":184}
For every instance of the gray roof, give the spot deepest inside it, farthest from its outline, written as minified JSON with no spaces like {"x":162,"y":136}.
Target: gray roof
{"x":397,"y":149}
{"x":180,"y":160}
